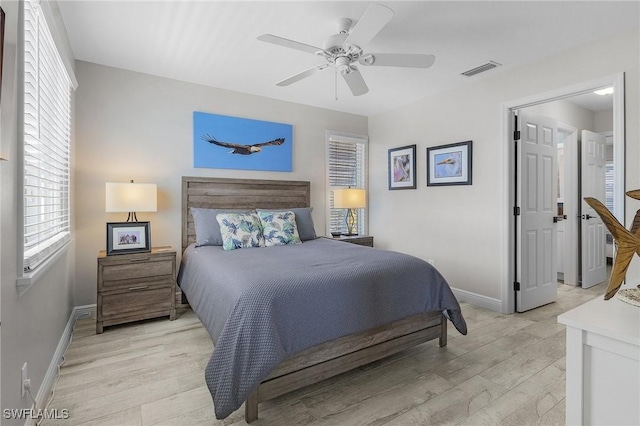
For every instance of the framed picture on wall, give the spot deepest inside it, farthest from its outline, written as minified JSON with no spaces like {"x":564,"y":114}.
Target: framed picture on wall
{"x":128,"y":237}
{"x":402,"y":167}
{"x":449,"y":164}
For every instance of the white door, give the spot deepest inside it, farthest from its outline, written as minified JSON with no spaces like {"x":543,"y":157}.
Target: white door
{"x":571,"y":222}
{"x":592,"y":180}
{"x":538,"y":192}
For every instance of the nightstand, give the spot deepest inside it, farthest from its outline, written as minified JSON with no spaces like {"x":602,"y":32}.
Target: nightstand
{"x":136,"y":286}
{"x":362,"y":240}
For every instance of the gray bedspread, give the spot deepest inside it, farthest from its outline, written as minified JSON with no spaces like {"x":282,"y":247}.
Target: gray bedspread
{"x":262,"y":305}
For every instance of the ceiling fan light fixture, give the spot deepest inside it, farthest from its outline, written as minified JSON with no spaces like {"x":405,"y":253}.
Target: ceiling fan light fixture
{"x":343,"y":64}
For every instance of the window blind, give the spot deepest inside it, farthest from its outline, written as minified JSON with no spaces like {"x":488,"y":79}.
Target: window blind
{"x":346,"y":162}
{"x":47,"y":139}
{"x":609,"y":183}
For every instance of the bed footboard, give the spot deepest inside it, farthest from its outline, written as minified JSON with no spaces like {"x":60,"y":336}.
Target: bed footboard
{"x":346,"y":353}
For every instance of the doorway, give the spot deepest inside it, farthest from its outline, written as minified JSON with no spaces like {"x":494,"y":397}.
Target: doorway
{"x":511,"y":271}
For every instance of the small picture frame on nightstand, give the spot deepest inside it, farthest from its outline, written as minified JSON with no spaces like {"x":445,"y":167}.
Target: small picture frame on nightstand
{"x":128,"y":237}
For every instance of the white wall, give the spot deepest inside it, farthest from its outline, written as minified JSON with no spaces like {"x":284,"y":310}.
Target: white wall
{"x":566,"y":113}
{"x":603,"y":121}
{"x":461,"y":226}
{"x":146,"y":120}
{"x":33,"y":323}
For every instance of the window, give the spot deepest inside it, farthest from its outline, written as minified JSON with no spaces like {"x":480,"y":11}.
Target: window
{"x":346,"y":167}
{"x":46,"y":141}
{"x":609,"y":181}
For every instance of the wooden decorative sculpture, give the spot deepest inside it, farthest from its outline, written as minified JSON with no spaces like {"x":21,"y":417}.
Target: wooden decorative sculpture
{"x":628,"y":241}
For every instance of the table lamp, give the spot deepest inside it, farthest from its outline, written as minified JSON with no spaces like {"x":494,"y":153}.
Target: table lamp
{"x":350,"y":199}
{"x":131,"y":197}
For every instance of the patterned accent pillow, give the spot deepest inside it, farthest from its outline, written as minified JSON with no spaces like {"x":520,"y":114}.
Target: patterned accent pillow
{"x":240,"y":230}
{"x":304,"y":221}
{"x":206,"y":225}
{"x":279,"y":228}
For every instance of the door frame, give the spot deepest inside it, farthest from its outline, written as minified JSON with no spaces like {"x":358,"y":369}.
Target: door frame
{"x":508,"y":201}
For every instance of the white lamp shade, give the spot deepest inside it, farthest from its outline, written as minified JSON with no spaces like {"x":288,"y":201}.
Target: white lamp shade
{"x":350,"y":198}
{"x":131,"y":197}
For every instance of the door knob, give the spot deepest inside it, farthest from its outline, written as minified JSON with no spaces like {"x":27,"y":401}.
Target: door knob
{"x":586,"y":216}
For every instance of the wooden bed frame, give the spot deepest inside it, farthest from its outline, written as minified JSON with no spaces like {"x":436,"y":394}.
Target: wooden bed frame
{"x":321,"y":361}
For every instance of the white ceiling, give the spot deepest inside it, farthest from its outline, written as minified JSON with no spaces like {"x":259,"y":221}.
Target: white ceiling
{"x":593,"y":102}
{"x":214,"y":42}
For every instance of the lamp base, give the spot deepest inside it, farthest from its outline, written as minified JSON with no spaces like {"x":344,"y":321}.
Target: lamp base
{"x":355,"y":234}
{"x":350,"y":221}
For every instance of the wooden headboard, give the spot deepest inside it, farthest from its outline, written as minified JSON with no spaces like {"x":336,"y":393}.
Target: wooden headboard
{"x":222,"y":193}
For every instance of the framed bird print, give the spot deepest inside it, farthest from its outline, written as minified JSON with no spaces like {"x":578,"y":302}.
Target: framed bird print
{"x":449,"y":164}
{"x":402,"y":167}
{"x":224,"y":142}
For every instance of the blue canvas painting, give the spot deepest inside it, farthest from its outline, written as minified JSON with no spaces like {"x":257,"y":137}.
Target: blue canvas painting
{"x":223,"y":142}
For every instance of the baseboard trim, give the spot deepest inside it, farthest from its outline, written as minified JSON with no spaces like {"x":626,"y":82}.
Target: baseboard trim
{"x":86,"y":311}
{"x":49,"y":381}
{"x":478,"y":299}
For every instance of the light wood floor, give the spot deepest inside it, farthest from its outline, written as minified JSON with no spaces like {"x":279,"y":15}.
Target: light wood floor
{"x":509,"y":370}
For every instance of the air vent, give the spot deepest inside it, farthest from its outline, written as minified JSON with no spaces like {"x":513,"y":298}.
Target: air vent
{"x":482,"y":68}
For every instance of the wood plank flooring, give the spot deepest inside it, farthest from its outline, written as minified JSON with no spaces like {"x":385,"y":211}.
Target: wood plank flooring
{"x":508,"y":370}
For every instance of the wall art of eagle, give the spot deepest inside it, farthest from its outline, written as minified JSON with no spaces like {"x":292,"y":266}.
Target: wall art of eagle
{"x":242,"y":149}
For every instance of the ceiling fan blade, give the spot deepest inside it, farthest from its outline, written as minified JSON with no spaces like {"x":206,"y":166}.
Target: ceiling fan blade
{"x":409,"y":60}
{"x":355,"y":81}
{"x":370,"y":24}
{"x":303,"y":74}
{"x":285,"y":42}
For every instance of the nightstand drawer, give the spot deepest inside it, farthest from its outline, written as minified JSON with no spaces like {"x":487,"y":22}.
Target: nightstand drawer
{"x":135,"y":301}
{"x":133,"y":270}
{"x":146,"y":283}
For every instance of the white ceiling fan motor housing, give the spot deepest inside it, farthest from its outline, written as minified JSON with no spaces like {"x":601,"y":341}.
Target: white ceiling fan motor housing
{"x":333,"y":44}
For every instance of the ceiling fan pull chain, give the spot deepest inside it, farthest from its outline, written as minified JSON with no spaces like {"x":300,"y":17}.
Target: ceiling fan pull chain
{"x":335,"y":81}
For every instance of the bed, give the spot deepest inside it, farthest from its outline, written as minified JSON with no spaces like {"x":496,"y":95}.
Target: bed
{"x":284,"y":317}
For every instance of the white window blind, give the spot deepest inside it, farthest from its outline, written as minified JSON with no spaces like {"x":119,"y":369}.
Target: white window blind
{"x":346,"y":167}
{"x":609,"y":185}
{"x":47,"y":139}
{"x":608,"y":199}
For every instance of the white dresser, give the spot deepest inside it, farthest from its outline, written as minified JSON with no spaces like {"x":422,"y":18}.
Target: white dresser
{"x":603,"y":363}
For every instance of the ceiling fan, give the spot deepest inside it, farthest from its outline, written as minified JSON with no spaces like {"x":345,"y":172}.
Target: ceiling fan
{"x":344,"y":49}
